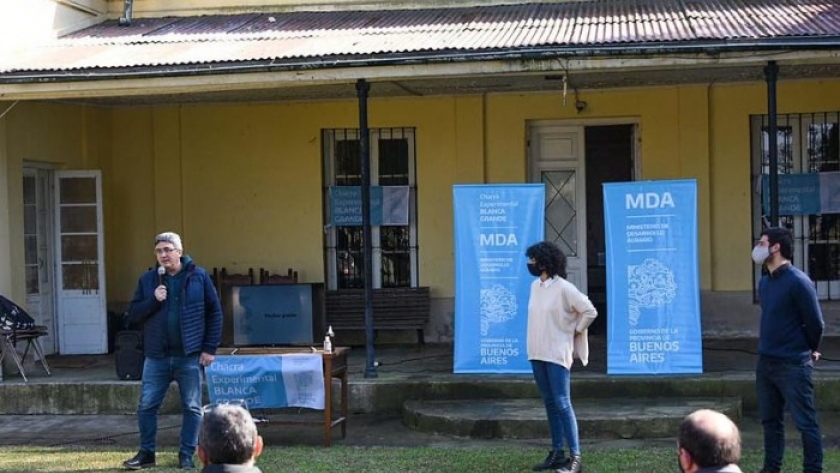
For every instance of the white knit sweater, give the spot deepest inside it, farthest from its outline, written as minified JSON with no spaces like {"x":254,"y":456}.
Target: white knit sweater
{"x":558,"y":317}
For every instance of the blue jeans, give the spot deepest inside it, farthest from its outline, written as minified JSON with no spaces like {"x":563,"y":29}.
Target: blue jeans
{"x":158,"y":373}
{"x":781,"y":384}
{"x":554,"y":383}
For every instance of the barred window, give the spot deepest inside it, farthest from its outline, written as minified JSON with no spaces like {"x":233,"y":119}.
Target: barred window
{"x":392,"y":163}
{"x":807,"y":143}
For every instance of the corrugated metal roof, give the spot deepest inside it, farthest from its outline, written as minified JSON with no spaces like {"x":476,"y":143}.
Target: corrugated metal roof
{"x":307,"y":36}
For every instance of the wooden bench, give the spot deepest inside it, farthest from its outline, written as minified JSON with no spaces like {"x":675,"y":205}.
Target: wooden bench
{"x":291,"y":277}
{"x":397,"y":308}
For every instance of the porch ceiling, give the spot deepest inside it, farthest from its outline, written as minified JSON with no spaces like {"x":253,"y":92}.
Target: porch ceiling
{"x":478,"y":84}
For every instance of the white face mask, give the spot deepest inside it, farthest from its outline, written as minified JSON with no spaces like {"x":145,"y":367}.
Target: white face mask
{"x":760,"y":254}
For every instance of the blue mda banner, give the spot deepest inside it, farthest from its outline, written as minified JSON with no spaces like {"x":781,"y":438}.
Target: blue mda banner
{"x":494,"y":225}
{"x":653,"y":289}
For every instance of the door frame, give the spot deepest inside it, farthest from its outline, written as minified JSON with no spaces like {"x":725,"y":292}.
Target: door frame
{"x":571,"y":159}
{"x":634,"y":121}
{"x":44,"y":181}
{"x":532,"y":168}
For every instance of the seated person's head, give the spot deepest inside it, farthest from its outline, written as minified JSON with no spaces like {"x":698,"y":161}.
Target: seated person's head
{"x":708,"y":439}
{"x":228,"y":435}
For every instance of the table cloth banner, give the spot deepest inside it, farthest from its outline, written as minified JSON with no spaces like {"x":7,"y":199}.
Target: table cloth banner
{"x":268,"y":381}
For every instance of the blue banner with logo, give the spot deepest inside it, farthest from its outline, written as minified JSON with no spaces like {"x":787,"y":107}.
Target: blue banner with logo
{"x":494,"y":225}
{"x":267,"y":381}
{"x":799,"y":194}
{"x":388,"y":205}
{"x":804,"y":194}
{"x":653,"y":287}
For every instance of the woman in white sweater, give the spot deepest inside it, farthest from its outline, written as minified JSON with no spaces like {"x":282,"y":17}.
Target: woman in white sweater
{"x":558,"y":317}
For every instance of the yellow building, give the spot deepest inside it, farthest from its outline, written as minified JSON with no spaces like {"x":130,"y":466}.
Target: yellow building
{"x":228,"y":121}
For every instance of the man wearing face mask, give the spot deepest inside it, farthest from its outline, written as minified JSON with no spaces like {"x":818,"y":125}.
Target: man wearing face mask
{"x":791,"y":330}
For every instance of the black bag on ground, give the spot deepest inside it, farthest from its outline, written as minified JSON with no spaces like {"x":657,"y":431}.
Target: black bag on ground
{"x":13,"y":317}
{"x":128,"y":354}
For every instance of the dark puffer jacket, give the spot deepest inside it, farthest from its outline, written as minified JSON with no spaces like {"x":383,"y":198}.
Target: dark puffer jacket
{"x":201,"y":313}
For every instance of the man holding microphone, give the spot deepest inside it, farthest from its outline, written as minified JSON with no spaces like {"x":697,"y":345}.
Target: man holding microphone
{"x":178,"y":307}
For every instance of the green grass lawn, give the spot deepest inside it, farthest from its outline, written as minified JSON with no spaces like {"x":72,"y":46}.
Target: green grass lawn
{"x":387,"y":459}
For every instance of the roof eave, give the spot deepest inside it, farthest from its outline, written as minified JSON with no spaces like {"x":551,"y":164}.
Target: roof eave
{"x":550,"y":52}
{"x":272,"y":74}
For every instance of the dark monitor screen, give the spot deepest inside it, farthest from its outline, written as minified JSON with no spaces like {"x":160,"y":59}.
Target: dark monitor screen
{"x":272,"y":314}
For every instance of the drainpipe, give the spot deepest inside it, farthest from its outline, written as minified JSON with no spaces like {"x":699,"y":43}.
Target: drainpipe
{"x":362,"y":89}
{"x":128,"y":7}
{"x":771,"y":73}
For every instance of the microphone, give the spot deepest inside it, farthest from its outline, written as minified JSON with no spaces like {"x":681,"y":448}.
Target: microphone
{"x":161,"y":272}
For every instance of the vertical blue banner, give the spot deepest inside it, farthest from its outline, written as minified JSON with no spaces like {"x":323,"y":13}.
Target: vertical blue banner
{"x":653,"y":287}
{"x":494,"y":225}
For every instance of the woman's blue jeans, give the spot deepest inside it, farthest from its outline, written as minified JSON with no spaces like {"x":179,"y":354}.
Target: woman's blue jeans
{"x":158,"y":373}
{"x":781,"y":384}
{"x":554,"y":383}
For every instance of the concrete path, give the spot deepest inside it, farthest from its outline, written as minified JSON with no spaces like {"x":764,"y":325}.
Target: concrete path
{"x":362,"y":431}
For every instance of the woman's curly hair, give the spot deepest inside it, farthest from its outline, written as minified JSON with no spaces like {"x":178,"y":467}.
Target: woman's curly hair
{"x":549,"y":257}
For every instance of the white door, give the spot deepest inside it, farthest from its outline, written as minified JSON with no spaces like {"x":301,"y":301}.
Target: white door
{"x":80,"y":272}
{"x":37,"y":232}
{"x":557,"y":160}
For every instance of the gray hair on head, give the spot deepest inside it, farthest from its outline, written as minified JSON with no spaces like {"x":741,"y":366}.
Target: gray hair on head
{"x":170,"y":237}
{"x":228,"y":435}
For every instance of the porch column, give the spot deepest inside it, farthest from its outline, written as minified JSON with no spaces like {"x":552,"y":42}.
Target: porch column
{"x":771,"y":73}
{"x":5,"y":227}
{"x":362,"y":89}
{"x":5,"y":217}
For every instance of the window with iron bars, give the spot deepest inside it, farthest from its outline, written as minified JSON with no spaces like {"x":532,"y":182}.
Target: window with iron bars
{"x":392,"y":163}
{"x":807,"y":143}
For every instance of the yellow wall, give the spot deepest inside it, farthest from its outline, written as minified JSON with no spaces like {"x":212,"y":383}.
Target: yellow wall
{"x":730,"y":163}
{"x":45,"y":134}
{"x":242,"y":182}
{"x":130,"y":200}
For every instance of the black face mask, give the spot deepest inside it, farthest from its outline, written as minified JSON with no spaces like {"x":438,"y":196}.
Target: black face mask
{"x":534,"y":270}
